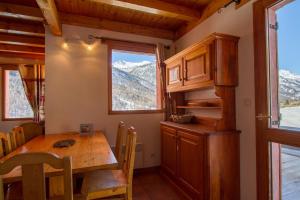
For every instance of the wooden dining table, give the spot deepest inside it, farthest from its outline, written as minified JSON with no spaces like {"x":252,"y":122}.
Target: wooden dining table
{"x":89,"y":152}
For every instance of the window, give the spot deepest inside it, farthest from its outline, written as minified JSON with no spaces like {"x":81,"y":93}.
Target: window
{"x":134,"y":81}
{"x":286,"y":61}
{"x":16,"y":105}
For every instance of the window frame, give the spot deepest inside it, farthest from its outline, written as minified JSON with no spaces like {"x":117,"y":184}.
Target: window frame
{"x":4,"y":118}
{"x":266,"y":135}
{"x":133,"y":47}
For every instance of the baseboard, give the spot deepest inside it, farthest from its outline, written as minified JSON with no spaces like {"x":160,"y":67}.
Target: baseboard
{"x":154,"y":169}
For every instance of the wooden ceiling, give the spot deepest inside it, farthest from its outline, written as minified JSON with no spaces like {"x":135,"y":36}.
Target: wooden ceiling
{"x":22,"y":21}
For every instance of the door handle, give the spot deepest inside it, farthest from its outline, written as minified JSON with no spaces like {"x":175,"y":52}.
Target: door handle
{"x":261,"y":116}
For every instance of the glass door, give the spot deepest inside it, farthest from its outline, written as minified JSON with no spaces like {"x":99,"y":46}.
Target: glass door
{"x":277,"y":73}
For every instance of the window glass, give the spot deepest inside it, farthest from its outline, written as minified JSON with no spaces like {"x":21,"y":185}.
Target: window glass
{"x":285,"y":171}
{"x":16,"y":102}
{"x":134,"y":81}
{"x":287,"y":30}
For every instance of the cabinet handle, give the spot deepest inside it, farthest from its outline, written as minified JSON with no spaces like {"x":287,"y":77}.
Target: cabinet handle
{"x":185,"y":73}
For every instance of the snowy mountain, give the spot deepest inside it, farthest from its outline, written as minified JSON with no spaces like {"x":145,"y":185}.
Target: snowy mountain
{"x":134,"y":85}
{"x":289,"y":85}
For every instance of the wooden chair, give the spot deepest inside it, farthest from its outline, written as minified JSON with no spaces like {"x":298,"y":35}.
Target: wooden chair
{"x":17,"y":137}
{"x":5,"y":144}
{"x":31,"y":130}
{"x":109,"y":183}
{"x":33,"y":176}
{"x":119,"y":143}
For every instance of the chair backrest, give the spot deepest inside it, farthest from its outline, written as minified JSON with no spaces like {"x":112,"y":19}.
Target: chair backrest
{"x":5,"y":144}
{"x":129,"y":157}
{"x":17,"y":137}
{"x":33,"y":176}
{"x":119,"y":143}
{"x":32,"y":129}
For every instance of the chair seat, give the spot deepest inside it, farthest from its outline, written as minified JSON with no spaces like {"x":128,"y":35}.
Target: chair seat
{"x":104,"y":183}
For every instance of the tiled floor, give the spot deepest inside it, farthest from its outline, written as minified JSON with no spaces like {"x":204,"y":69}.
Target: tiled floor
{"x":151,"y":186}
{"x":146,"y":186}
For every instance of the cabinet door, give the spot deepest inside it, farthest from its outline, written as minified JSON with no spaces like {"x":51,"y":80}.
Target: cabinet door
{"x":190,"y":163}
{"x":169,"y":148}
{"x":174,"y":75}
{"x":197,"y":67}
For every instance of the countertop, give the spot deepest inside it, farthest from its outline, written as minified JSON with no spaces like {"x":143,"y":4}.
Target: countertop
{"x":196,"y":128}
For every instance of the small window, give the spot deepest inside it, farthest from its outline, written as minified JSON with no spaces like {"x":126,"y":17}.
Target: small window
{"x":134,"y":80}
{"x":16,"y":105}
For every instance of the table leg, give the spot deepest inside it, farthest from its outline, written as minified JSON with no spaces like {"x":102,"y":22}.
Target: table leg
{"x":56,"y":186}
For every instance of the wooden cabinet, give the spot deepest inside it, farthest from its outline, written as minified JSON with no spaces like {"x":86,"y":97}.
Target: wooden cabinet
{"x":169,"y":146}
{"x":202,"y":158}
{"x":190,"y":157}
{"x":207,"y":162}
{"x":212,"y":61}
{"x":196,"y":67}
{"x":174,"y":74}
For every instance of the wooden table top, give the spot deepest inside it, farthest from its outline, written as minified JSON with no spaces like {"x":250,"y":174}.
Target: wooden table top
{"x":90,"y":152}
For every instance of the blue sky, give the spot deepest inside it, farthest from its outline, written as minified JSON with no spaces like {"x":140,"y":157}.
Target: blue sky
{"x":288,"y":18}
{"x":131,"y":57}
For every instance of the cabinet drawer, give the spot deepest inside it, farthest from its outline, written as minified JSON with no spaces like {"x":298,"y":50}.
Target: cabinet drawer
{"x":169,"y":129}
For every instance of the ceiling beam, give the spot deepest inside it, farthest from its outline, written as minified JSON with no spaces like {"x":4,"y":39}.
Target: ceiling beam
{"x":97,"y":23}
{"x":21,"y":49}
{"x":21,"y":58}
{"x":209,"y":10}
{"x":21,"y":28}
{"x":22,"y":40}
{"x":20,"y":12}
{"x":156,"y":7}
{"x":49,"y":10}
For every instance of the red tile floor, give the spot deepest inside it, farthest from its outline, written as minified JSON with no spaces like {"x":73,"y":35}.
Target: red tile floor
{"x":146,"y":186}
{"x":151,"y":186}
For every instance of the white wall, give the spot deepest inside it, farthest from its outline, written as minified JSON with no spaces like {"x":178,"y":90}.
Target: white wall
{"x":77,"y":89}
{"x":239,"y":23}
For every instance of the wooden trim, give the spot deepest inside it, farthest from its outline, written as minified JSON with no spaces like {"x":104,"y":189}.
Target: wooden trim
{"x":130,"y":47}
{"x":21,"y":12}
{"x":140,"y":171}
{"x":264,"y":134}
{"x":3,"y":69}
{"x":22,"y":29}
{"x":156,"y":7}
{"x":92,"y":22}
{"x":49,"y":10}
{"x":125,"y":112}
{"x":22,"y":40}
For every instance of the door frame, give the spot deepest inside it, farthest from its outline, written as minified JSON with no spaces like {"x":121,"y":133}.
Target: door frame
{"x":264,"y":134}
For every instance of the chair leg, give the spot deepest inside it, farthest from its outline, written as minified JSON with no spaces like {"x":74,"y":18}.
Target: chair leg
{"x":128,"y":195}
